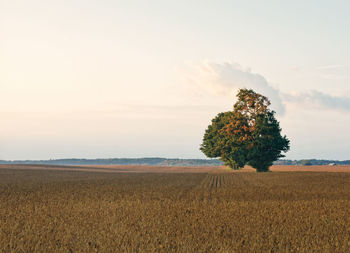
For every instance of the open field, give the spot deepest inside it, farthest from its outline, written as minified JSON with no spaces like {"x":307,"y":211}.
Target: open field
{"x":114,"y":168}
{"x":60,"y":209}
{"x":172,"y":169}
{"x":315,"y":168}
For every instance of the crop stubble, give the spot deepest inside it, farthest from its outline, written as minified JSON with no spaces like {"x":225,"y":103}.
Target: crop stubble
{"x":67,"y":211}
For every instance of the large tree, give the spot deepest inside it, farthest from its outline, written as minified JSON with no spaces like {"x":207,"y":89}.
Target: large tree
{"x":249,"y":134}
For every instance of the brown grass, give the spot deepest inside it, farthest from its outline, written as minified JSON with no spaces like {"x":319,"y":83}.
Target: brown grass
{"x":79,"y":211}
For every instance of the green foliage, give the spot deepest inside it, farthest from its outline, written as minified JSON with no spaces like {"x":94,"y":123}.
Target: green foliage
{"x":249,"y":134}
{"x":217,"y":143}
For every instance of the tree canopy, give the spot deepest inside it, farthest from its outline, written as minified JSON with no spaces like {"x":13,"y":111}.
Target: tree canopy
{"x":249,"y":134}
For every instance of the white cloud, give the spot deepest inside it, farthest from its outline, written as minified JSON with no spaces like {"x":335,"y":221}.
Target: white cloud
{"x":333,"y":72}
{"x":225,"y":80}
{"x":336,"y":66}
{"x":317,"y":99}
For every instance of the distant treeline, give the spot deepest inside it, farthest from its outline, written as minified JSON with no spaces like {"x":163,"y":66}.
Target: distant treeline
{"x":122,"y":161}
{"x":312,"y":162}
{"x":163,"y":162}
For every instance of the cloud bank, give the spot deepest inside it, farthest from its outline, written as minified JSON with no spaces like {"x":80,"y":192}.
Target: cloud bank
{"x":317,"y":99}
{"x":225,"y":79}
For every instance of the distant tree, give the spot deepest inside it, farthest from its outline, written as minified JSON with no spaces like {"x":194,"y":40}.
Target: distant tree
{"x":249,"y":134}
{"x":305,"y":162}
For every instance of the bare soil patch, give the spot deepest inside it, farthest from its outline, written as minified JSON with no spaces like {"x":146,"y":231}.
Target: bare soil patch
{"x":173,"y":169}
{"x":319,"y":168}
{"x":115,"y":168}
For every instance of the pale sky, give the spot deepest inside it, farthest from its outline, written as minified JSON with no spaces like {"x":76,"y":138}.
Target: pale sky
{"x":101,"y":79}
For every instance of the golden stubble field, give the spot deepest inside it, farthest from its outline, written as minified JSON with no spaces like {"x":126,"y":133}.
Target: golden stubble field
{"x":67,"y":210}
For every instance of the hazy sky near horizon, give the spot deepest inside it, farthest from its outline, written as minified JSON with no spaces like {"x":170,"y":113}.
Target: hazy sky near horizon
{"x":99,"y":79}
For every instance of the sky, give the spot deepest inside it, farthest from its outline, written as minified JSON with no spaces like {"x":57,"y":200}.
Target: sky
{"x":103,"y":79}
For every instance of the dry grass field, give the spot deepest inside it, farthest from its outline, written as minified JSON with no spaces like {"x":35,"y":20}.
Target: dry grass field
{"x":85,"y":209}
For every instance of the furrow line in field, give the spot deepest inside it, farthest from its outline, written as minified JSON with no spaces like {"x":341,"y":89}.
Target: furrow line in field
{"x":208,"y":182}
{"x":212,"y":182}
{"x":205,"y":182}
